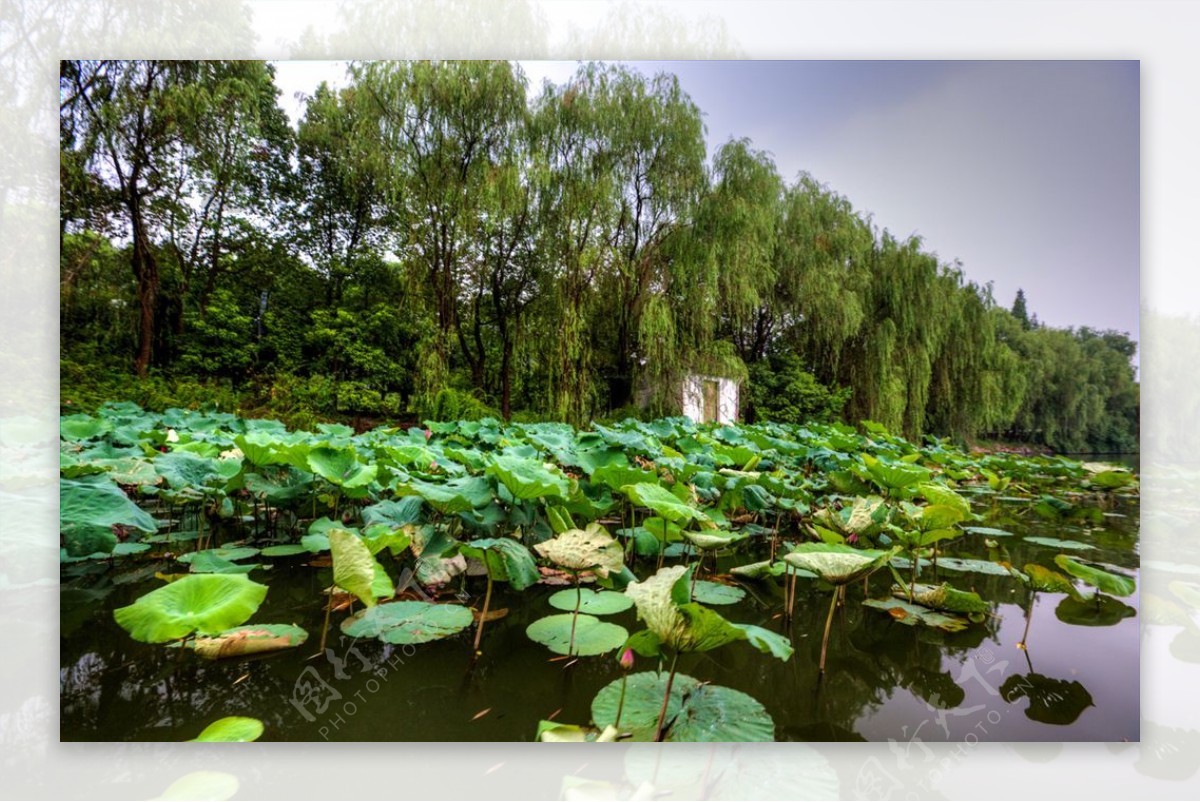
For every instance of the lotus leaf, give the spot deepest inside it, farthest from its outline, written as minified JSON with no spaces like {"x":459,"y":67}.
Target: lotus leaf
{"x":1106,"y":581}
{"x":695,"y":712}
{"x":590,"y":549}
{"x":231,"y":729}
{"x":204,"y":603}
{"x":713,"y":593}
{"x":836,"y":563}
{"x":249,"y":639}
{"x":591,"y":635}
{"x":408,"y":622}
{"x":353,"y":565}
{"x":592,"y":602}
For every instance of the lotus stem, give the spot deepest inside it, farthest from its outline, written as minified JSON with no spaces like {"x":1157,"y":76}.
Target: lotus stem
{"x":325,"y":626}
{"x":621,"y":701}
{"x":574,"y":616}
{"x":662,"y":713}
{"x":487,"y":599}
{"x":828,"y":624}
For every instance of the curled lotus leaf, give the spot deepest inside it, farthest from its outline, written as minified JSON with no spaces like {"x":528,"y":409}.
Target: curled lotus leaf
{"x":837,"y":563}
{"x":249,"y":639}
{"x":946,"y":598}
{"x":590,"y":549}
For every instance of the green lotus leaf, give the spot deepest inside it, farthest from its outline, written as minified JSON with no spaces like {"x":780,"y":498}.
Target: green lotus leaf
{"x":395,"y":514}
{"x":912,"y":614}
{"x":82,"y":427}
{"x":408,"y":622}
{"x":185,"y":471}
{"x":260,"y":448}
{"x":249,"y":639}
{"x":945,"y":598}
{"x":972,"y":566}
{"x":695,"y":712}
{"x":616,"y":476}
{"x":284,"y":550}
{"x":209,"y":563}
{"x":592,"y":636}
{"x":232,"y":554}
{"x":663,"y":502}
{"x":590,"y":549}
{"x":203,"y":603}
{"x":759,"y":570}
{"x":592,"y":602}
{"x":1055,"y":543}
{"x":231,"y":729}
{"x":1047,"y":581}
{"x":353,"y":565}
{"x":340,"y":466}
{"x":529,"y":479}
{"x":939,"y":516}
{"x":942,"y":496}
{"x":987,"y":531}
{"x":1051,"y":701}
{"x":894,"y":475}
{"x":837,"y":563}
{"x":88,"y":541}
{"x":1112,"y":479}
{"x":1106,"y":581}
{"x":98,"y":503}
{"x":863,"y":517}
{"x":714,"y":593}
{"x":657,"y":605}
{"x":507,"y":560}
{"x":766,"y":641}
{"x":456,"y":495}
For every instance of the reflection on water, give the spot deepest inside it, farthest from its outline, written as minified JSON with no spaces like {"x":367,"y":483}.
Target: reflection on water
{"x":907,"y":686}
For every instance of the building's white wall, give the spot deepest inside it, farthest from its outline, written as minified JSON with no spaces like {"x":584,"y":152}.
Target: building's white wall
{"x":727,"y":405}
{"x":693,"y":398}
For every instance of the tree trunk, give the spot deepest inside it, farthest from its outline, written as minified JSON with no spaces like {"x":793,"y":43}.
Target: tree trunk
{"x":145,"y":270}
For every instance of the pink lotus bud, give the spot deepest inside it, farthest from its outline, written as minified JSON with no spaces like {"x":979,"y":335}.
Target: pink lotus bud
{"x":852,"y":539}
{"x":428,"y":434}
{"x":433,"y":465}
{"x":626,"y":660}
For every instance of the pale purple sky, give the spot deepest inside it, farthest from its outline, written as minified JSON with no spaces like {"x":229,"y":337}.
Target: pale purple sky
{"x":1027,"y":172}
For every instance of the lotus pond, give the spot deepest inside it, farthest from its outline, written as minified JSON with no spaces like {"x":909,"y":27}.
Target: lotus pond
{"x":227,"y":579}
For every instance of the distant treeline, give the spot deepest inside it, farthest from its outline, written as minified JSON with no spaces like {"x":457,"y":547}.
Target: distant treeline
{"x":441,"y":240}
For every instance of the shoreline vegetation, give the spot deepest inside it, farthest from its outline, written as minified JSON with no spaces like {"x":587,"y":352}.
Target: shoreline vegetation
{"x":444,"y":241}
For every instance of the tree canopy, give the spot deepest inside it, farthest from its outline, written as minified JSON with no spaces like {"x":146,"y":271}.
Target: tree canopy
{"x":439,"y":238}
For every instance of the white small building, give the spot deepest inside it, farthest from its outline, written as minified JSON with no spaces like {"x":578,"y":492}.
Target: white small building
{"x":710,"y":399}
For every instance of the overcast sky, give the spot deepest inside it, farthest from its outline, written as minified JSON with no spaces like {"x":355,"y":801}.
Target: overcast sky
{"x":1026,"y":172}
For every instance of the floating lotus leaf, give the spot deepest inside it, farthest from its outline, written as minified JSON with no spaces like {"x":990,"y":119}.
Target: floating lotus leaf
{"x":837,"y":563}
{"x":971,"y":566}
{"x":592,"y":602}
{"x":408,"y":622}
{"x":232,"y":554}
{"x":714,"y":593}
{"x":1106,"y":581}
{"x":353,"y":565}
{"x":663,"y":502}
{"x":1112,"y":479}
{"x":204,"y":603}
{"x":1100,"y":611}
{"x":231,"y":729}
{"x":1055,"y":543}
{"x":206,"y":562}
{"x":249,"y":639}
{"x":1051,"y":701}
{"x":912,"y":614}
{"x":284,"y":550}
{"x":590,"y":549}
{"x":592,"y":636}
{"x":695,"y":712}
{"x":987,"y":530}
{"x":943,"y":597}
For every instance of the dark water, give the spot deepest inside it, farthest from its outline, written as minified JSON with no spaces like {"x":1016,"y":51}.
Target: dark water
{"x":884,"y":680}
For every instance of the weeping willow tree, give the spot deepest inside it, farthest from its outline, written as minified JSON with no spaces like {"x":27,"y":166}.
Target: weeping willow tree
{"x":823,"y":267}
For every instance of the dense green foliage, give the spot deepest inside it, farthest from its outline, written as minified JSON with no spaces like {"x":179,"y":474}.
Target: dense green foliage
{"x":442,"y":240}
